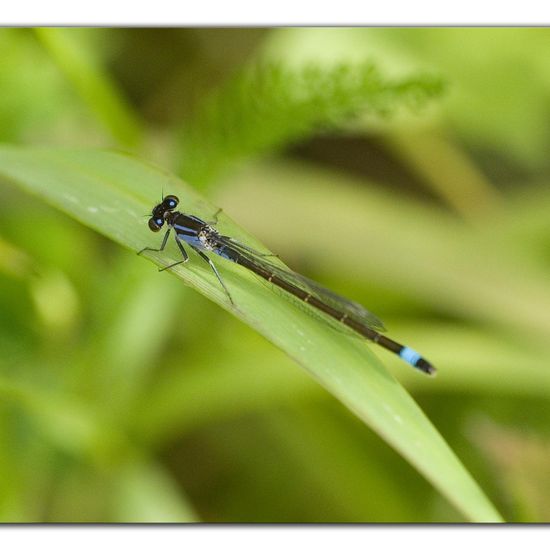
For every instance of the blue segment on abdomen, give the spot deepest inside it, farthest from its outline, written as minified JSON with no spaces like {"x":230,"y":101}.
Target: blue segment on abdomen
{"x":227,"y":253}
{"x":224,"y":253}
{"x":409,"y":355}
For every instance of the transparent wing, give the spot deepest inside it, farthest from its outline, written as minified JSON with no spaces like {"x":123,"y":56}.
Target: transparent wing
{"x":352,"y":309}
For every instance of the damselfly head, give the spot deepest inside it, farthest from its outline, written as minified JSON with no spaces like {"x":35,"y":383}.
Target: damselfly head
{"x":161,"y":211}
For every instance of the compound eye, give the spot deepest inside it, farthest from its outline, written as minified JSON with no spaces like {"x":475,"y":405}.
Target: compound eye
{"x":155,"y":224}
{"x":171,"y":201}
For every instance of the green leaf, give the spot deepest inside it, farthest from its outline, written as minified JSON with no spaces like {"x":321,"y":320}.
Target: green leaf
{"x":111,"y":192}
{"x":145,"y":493}
{"x":33,"y":97}
{"x":268,"y":106}
{"x":92,"y":83}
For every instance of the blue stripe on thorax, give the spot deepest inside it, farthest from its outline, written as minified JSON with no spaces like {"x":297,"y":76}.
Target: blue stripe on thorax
{"x":184,"y":230}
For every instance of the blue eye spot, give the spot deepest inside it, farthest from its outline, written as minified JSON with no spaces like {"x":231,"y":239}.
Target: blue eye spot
{"x":158,"y":221}
{"x":172,"y":204}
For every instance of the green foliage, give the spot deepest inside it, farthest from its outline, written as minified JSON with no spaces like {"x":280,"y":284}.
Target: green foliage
{"x":93,"y":186}
{"x":126,"y":396}
{"x":270,"y":106}
{"x":92,"y":83}
{"x":32,"y":93}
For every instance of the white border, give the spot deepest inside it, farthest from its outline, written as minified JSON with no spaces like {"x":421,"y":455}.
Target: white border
{"x":354,"y":537}
{"x":275,"y":13}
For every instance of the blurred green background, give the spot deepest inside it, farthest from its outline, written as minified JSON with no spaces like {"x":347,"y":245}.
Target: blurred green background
{"x":126,"y":396}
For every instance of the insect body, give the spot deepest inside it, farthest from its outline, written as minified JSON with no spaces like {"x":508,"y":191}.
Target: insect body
{"x":202,"y":236}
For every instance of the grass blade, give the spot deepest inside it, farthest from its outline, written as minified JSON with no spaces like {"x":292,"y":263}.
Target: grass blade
{"x":93,"y":84}
{"x":110,"y":193}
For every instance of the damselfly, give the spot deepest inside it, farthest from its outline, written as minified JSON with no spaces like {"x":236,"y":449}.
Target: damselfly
{"x":203,"y":237}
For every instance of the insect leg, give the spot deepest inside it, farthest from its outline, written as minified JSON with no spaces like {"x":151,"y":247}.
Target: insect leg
{"x":215,"y":220}
{"x":161,"y":246}
{"x":183,"y":253}
{"x":207,"y":259}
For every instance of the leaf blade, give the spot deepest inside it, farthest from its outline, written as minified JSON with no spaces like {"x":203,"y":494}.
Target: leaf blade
{"x":110,"y":192}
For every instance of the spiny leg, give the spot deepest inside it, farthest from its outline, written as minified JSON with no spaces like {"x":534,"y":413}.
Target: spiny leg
{"x":161,"y":246}
{"x":183,"y":253}
{"x":207,"y":259}
{"x":215,"y":220}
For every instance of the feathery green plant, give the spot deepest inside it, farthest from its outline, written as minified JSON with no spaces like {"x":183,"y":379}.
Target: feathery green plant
{"x":266,"y":107}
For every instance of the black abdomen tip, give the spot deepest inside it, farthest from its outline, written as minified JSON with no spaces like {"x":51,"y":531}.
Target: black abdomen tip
{"x":425,"y":366}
